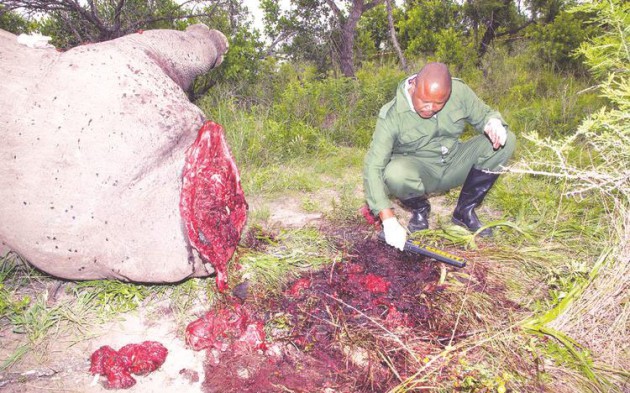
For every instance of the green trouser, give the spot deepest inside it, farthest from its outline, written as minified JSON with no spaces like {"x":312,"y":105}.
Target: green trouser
{"x":408,"y":176}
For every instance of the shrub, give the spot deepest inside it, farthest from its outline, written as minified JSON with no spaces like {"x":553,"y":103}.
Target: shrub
{"x":557,"y":42}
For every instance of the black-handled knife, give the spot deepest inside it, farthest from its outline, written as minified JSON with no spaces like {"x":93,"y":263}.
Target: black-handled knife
{"x":439,"y":255}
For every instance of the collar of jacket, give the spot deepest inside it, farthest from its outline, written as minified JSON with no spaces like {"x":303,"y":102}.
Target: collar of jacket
{"x":402,"y":105}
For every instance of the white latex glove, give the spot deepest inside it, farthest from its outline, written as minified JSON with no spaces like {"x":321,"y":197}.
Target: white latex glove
{"x":395,"y":234}
{"x":496,"y":132}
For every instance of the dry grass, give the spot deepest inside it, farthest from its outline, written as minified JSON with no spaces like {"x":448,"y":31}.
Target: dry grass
{"x":600,"y":318}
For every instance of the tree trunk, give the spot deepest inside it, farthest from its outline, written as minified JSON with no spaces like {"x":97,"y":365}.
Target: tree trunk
{"x":498,"y":15}
{"x":392,"y":34}
{"x":488,"y":36}
{"x":346,"y":47}
{"x":348,"y":28}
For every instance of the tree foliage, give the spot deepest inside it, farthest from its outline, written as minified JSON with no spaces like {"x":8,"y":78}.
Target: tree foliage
{"x":334,"y":36}
{"x":556,"y":43}
{"x":347,"y":22}
{"x":453,"y":50}
{"x":330,"y":34}
{"x":71,"y":22}
{"x":300,"y":34}
{"x":13,"y":22}
{"x":418,"y":30}
{"x":241,"y":65}
{"x":374,"y":25}
{"x":321,"y":31}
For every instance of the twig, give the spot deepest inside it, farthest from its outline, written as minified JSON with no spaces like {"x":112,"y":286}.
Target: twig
{"x":27,"y":376}
{"x":390,"y":365}
{"x":461,"y":335}
{"x":396,"y":338}
{"x":282,"y":387}
{"x":450,"y":349}
{"x":459,"y":313}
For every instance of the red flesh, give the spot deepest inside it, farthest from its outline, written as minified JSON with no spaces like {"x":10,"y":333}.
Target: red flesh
{"x":224,"y":327}
{"x":212,"y":202}
{"x":117,"y":366}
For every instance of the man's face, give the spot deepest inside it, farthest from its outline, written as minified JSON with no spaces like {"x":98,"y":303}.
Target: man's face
{"x":428,"y":98}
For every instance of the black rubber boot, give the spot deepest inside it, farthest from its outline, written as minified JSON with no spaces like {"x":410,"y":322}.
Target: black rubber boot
{"x":474,"y":190}
{"x":419,"y":214}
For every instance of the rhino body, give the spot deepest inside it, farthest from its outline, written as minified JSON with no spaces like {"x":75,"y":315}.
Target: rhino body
{"x":93,"y":146}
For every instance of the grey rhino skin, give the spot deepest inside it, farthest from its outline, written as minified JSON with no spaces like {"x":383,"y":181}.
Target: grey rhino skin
{"x":92,"y":147}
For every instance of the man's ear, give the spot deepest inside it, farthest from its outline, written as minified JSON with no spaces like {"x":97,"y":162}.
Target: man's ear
{"x":412,"y":87}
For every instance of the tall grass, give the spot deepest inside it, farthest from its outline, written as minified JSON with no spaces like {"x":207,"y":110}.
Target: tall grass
{"x":590,"y":320}
{"x":302,"y":115}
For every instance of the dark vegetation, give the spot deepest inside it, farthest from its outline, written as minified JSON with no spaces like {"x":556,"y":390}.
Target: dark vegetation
{"x":545,"y":305}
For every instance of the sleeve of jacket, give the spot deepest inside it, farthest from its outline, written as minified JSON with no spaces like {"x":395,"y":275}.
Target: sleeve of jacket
{"x":478,"y":112}
{"x":377,"y":158}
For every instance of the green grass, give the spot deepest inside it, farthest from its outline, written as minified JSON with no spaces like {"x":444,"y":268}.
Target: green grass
{"x":327,"y":170}
{"x":328,"y":183}
{"x":37,"y":320}
{"x":10,"y":302}
{"x":111,"y":297}
{"x":287,"y":255}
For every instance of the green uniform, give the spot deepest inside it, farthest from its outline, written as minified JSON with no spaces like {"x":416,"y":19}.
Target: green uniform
{"x":410,"y":156}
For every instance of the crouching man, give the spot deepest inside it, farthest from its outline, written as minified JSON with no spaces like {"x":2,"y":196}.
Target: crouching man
{"x":415,"y":150}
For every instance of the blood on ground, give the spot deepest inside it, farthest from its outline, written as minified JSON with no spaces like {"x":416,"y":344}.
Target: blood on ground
{"x":309,"y":326}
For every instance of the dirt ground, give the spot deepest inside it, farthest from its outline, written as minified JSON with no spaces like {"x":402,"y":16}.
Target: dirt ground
{"x":361,"y":325}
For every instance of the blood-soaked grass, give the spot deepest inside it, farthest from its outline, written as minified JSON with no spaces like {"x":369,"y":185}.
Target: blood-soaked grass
{"x":364,"y":323}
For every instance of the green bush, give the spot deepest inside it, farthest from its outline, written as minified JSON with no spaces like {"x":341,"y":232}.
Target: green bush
{"x":532,"y":97}
{"x":452,"y":49}
{"x":13,"y":22}
{"x":418,"y":31}
{"x":556,"y":43}
{"x":293,"y":113}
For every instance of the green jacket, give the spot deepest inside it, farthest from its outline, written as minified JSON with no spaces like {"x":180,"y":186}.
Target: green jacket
{"x":400,"y":130}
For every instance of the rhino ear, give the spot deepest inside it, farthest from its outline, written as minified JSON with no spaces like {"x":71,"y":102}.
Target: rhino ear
{"x":222,"y":44}
{"x":218,"y":38}
{"x":199,"y":27}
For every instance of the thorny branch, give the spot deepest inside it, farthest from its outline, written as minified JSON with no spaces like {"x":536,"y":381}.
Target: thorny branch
{"x":598,"y":176}
{"x":586,"y":180}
